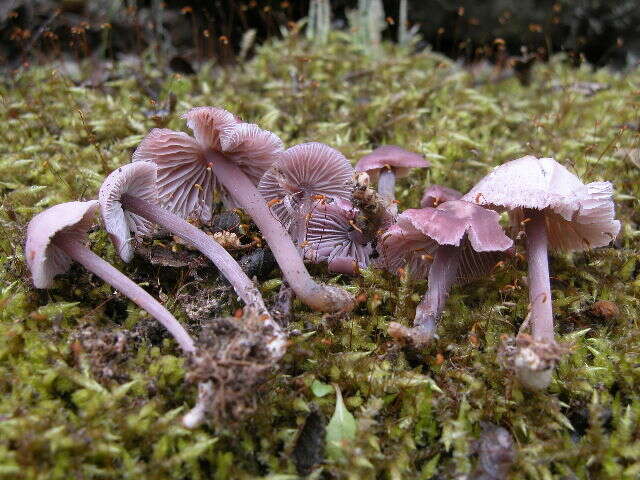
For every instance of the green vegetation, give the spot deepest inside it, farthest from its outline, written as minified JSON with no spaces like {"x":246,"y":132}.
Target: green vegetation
{"x":91,"y":388}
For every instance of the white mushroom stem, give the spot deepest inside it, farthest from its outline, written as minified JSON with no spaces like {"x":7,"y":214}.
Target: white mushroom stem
{"x":442,"y":275}
{"x":321,"y":297}
{"x":227,"y":265}
{"x":107,"y":272}
{"x":538,"y":275}
{"x":387,"y":183}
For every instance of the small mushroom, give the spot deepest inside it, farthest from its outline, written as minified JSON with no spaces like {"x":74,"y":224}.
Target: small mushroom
{"x":57,"y":236}
{"x":557,"y":211}
{"x":333,"y":236}
{"x":228,"y":154}
{"x":128,"y":197}
{"x":388,"y":162}
{"x":434,"y":195}
{"x":461,"y":240}
{"x":304,"y":174}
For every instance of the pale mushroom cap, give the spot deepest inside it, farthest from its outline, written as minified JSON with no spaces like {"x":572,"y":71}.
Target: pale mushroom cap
{"x":304,"y":171}
{"x":399,"y":159}
{"x":208,"y":123}
{"x":251,"y":148}
{"x":434,"y":195}
{"x":331,"y":235}
{"x":184,"y":181}
{"x":44,"y":259}
{"x":418,"y":233}
{"x":138,"y":180}
{"x":578,"y":216}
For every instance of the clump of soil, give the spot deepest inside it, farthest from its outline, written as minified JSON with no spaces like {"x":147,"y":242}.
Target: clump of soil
{"x":233,"y":359}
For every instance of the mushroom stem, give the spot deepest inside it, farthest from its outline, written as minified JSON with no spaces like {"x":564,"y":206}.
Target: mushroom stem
{"x":538,"y":275}
{"x":242,"y":284}
{"x":114,"y":277}
{"x":318,"y":296}
{"x":387,"y":183}
{"x":442,"y":275}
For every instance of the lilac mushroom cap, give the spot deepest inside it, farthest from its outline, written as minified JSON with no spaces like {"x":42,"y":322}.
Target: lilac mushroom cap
{"x":138,"y":180}
{"x":333,"y":237}
{"x":434,"y":195}
{"x":461,"y":240}
{"x":390,"y":157}
{"x":44,"y":258}
{"x":186,"y":182}
{"x":302,"y":172}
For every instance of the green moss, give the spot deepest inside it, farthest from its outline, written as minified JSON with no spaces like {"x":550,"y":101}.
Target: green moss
{"x":60,"y":419}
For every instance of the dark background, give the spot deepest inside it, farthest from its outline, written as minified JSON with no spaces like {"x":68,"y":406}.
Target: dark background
{"x":37,"y":31}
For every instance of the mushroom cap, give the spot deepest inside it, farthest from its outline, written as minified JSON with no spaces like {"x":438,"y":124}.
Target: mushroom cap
{"x":135,"y":179}
{"x":331,"y":235}
{"x":185,"y":184}
{"x":578,"y":216}
{"x":253,"y":149}
{"x":304,"y":171}
{"x":46,"y":260}
{"x":434,"y":195}
{"x":399,"y":159}
{"x":208,"y":123}
{"x":418,"y":233}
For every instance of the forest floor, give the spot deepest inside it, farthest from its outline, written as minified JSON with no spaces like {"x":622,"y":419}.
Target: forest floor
{"x":90,"y":387}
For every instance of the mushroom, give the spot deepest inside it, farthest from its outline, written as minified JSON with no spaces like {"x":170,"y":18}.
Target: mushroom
{"x":434,"y":195}
{"x":388,"y":162}
{"x":557,"y":211}
{"x":232,"y":156}
{"x":333,"y":236}
{"x":57,"y":236}
{"x":128,"y":197}
{"x":458,"y":239}
{"x":305,"y":173}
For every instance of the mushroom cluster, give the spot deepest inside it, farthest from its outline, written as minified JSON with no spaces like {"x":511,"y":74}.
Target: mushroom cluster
{"x":311,"y":205}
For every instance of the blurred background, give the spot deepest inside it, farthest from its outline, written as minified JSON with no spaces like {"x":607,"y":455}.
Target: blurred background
{"x":185,"y":33}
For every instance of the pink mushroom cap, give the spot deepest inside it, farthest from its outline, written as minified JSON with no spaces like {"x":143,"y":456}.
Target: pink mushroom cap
{"x":304,"y":171}
{"x":434,"y":195}
{"x":186,"y":183}
{"x":390,"y":156}
{"x":138,"y":180}
{"x":577,"y":216}
{"x":44,"y":259}
{"x":419,"y":232}
{"x":331,"y":235}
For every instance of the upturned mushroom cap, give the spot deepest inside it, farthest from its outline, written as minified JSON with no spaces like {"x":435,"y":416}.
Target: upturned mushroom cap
{"x":390,"y":156}
{"x":419,"y":232}
{"x":434,"y":195}
{"x":253,"y":149}
{"x":186,"y":183}
{"x":578,"y":216}
{"x":331,"y":235}
{"x":208,"y":123}
{"x":304,"y":171}
{"x":138,"y":180}
{"x":44,"y":259}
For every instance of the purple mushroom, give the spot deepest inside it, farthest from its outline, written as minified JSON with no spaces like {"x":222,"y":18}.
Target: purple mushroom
{"x":434,"y":195}
{"x":57,"y":236}
{"x":332,"y":236}
{"x":303,"y":174}
{"x":461,"y":240}
{"x":233,"y":154}
{"x":128,"y":200}
{"x":387,"y":163}
{"x":557,"y":211}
